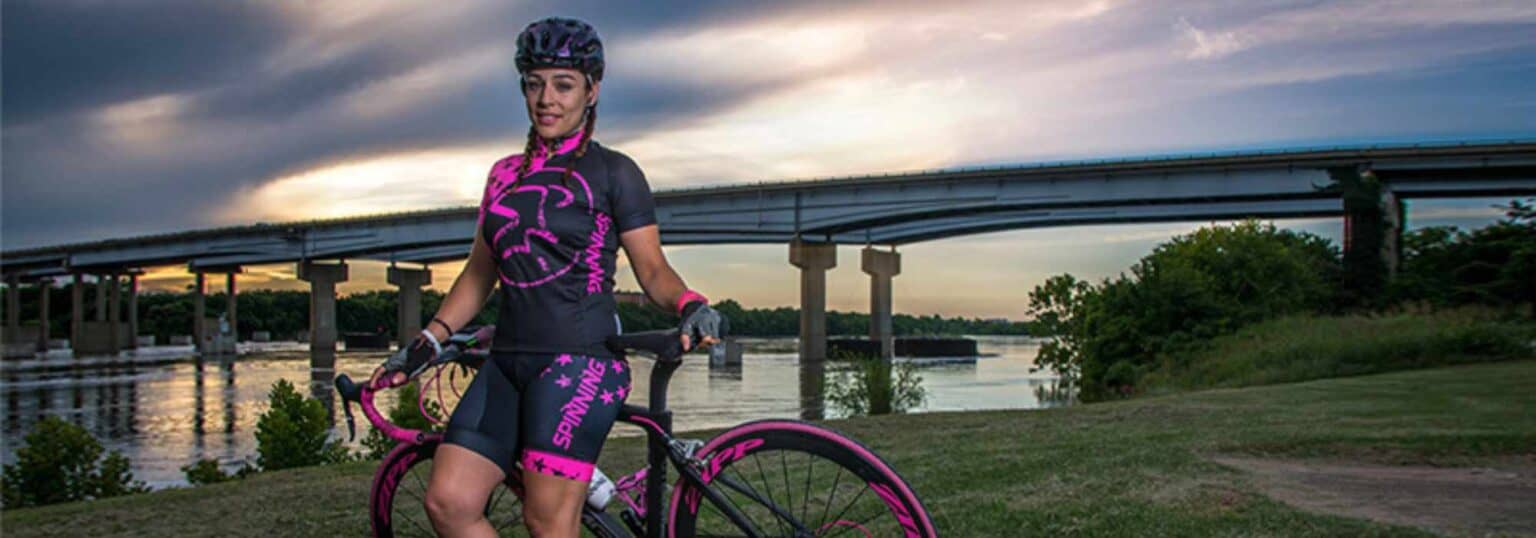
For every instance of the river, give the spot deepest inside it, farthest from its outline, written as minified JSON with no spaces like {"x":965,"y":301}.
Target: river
{"x":166,"y":415}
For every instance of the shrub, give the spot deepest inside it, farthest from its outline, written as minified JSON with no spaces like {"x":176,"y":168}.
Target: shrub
{"x":1299,"y":348}
{"x":294,"y":432}
{"x":1192,"y":288}
{"x":868,"y":386}
{"x":61,"y":462}
{"x":405,"y":414}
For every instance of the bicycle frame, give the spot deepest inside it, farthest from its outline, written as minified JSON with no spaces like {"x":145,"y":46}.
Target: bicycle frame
{"x":662,"y":448}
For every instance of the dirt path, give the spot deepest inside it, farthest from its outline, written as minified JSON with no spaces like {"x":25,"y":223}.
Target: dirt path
{"x":1500,"y":498}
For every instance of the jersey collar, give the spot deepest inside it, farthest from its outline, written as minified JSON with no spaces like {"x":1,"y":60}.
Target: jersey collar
{"x":567,"y":145}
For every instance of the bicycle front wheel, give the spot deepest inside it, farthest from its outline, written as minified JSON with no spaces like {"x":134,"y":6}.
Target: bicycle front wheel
{"x":791,"y":478}
{"x":398,"y":503}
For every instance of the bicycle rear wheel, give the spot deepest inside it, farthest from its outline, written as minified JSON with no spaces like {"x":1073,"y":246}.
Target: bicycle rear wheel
{"x":791,"y":478}
{"x":398,"y":503}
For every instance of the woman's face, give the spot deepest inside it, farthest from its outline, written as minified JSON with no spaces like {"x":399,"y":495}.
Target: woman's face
{"x":556,"y":97}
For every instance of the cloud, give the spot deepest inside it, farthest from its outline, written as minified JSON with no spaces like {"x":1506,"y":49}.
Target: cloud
{"x":260,"y":110}
{"x":405,"y":181}
{"x":1209,"y":45}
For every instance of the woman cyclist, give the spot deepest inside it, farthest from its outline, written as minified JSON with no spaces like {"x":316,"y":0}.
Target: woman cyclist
{"x":551,"y":221}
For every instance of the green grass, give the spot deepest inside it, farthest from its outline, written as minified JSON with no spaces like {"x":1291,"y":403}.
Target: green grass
{"x":1128,"y":468}
{"x":1301,"y":348}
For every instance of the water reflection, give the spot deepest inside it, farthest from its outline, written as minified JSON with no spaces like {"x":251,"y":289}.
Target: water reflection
{"x":166,"y":415}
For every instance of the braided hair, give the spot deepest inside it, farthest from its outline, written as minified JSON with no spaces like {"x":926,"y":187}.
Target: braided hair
{"x":550,"y":146}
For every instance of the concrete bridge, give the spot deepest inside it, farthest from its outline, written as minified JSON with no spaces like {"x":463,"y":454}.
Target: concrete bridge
{"x":811,"y":217}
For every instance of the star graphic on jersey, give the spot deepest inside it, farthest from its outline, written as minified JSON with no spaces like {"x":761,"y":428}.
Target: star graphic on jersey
{"x":607,"y":397}
{"x":564,"y":381}
{"x":623,"y":391}
{"x":618,"y":366}
{"x":538,"y":463}
{"x":564,"y":360}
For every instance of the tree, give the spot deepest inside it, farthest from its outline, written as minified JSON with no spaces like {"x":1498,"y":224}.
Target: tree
{"x":1055,"y":306}
{"x":62,"y":462}
{"x":294,"y":431}
{"x":1189,"y":289}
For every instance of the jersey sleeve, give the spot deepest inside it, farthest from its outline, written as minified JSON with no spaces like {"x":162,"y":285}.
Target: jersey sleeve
{"x":631,"y":200}
{"x":493,"y":180}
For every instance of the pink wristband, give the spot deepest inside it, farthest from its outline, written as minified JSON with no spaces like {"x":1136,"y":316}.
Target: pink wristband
{"x":688,"y":297}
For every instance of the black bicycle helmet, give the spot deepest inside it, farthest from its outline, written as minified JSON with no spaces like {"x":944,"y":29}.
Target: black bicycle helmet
{"x":560,"y":42}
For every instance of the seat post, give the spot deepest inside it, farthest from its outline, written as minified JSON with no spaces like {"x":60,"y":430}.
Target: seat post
{"x":656,"y":455}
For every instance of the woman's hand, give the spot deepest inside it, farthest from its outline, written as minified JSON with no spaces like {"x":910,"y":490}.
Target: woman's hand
{"x":699,"y":318}
{"x":408,"y":361}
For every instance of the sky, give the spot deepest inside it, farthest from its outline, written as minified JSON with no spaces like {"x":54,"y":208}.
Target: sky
{"x":137,"y":117}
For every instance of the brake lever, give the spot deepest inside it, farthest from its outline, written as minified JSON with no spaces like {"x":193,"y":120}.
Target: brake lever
{"x":346,"y":408}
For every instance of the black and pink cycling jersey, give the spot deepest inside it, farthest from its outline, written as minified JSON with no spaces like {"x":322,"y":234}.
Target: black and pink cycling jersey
{"x":555,"y":245}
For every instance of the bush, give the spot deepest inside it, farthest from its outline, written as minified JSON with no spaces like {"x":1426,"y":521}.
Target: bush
{"x":1300,"y":348}
{"x":205,"y":471}
{"x":294,"y":432}
{"x":867,"y":387}
{"x":1192,"y":288}
{"x":61,"y":462}
{"x":208,"y":471}
{"x":405,"y":414}
{"x":1493,"y":265}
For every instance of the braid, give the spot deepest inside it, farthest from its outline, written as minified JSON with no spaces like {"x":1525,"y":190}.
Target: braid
{"x":581,"y":150}
{"x":528,"y":149}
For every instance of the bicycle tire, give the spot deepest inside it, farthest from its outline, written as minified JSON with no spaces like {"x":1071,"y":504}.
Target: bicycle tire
{"x":792,"y":449}
{"x":398,"y":495}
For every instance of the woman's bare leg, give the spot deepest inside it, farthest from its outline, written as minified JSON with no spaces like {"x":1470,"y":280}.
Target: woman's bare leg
{"x":552,"y":508}
{"x":461,"y":483}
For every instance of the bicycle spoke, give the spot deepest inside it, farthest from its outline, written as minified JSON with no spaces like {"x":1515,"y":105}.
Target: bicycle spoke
{"x":838,"y":480}
{"x":805,"y":499}
{"x":749,"y":489}
{"x":789,"y":498}
{"x":425,"y":530}
{"x":880,"y":510}
{"x":735,"y":483}
{"x":855,"y":500}
{"x":771,"y":500}
{"x":417,"y":476}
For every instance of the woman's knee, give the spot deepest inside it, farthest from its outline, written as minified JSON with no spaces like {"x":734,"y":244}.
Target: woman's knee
{"x":451,"y":507}
{"x":461,"y":482}
{"x":552,"y":506}
{"x":552,"y":520}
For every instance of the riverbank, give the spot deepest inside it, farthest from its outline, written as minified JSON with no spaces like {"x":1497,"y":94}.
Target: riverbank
{"x":1140,"y":467}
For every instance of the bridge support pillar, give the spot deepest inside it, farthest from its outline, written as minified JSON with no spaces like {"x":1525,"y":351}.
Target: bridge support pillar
{"x":114,"y":315}
{"x":322,"y":278}
{"x":232,"y":307}
{"x":1395,"y":217}
{"x":199,"y":309}
{"x":76,"y":311}
{"x":44,"y":289}
{"x":881,"y":266}
{"x":101,"y":297}
{"x":408,"y":318}
{"x":813,"y":259}
{"x":12,"y":310}
{"x":133,"y":310}
{"x":1373,"y":229}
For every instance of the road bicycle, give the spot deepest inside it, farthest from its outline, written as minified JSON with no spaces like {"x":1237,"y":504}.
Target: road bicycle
{"x":761,"y":478}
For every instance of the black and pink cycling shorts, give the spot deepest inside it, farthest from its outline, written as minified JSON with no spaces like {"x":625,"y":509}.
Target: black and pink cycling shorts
{"x":551,"y":411}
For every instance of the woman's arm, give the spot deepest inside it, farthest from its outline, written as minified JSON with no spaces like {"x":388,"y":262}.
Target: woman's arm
{"x":469,"y":292}
{"x":660,"y":282}
{"x":464,"y":300}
